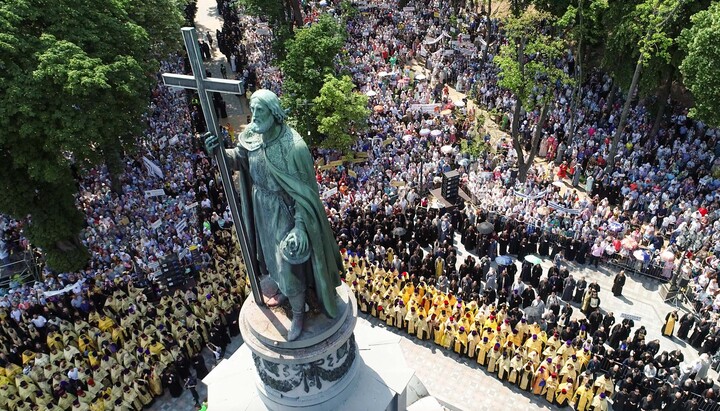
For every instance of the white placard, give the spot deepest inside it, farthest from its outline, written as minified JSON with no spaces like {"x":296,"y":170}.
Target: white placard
{"x":191,"y":205}
{"x":156,"y":224}
{"x":181,"y":226}
{"x":154,"y":193}
{"x":409,"y":9}
{"x":329,"y":193}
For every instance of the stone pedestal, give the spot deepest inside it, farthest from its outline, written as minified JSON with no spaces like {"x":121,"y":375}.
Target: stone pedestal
{"x":312,"y":371}
{"x":332,"y":366}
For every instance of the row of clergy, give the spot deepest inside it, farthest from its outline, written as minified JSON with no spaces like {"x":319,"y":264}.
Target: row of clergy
{"x":522,"y":354}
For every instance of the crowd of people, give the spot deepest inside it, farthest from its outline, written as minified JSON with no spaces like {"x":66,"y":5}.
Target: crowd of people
{"x":658,"y":198}
{"x":109,"y":337}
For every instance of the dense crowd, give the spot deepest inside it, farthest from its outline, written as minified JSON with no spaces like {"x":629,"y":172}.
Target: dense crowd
{"x":657,"y":199}
{"x":109,"y":338}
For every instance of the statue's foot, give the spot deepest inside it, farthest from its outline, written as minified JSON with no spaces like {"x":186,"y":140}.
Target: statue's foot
{"x":275,"y":300}
{"x":296,"y":326}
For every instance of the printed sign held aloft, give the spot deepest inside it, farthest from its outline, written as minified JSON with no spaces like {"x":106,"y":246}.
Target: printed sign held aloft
{"x":329,"y":193}
{"x":154,"y":193}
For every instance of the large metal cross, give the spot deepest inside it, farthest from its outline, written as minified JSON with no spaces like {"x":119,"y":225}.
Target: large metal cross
{"x":198,"y":81}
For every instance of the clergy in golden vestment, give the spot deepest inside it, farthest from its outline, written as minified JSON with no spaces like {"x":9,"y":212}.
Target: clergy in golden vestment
{"x":495,"y":354}
{"x":482,"y":351}
{"x":526,"y":376}
{"x":599,"y":403}
{"x":564,"y":393}
{"x":461,"y":341}
{"x":582,"y":397}
{"x":669,"y":325}
{"x":516,"y":364}
{"x":504,"y":366}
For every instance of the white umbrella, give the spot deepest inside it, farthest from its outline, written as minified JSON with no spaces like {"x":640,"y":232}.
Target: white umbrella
{"x":435,"y":133}
{"x":459,"y":103}
{"x":446,"y":149}
{"x":323,"y":3}
{"x":424,"y":131}
{"x":371,"y":93}
{"x":420,"y":77}
{"x":383,"y":74}
{"x":407,"y":137}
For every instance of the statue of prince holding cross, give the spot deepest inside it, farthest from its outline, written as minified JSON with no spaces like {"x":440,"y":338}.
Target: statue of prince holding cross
{"x":280,"y":207}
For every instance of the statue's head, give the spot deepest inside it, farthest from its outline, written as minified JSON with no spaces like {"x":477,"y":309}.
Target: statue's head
{"x":266,"y":111}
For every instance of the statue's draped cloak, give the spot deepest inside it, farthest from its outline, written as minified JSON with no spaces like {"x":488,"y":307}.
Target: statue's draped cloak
{"x":297,"y":179}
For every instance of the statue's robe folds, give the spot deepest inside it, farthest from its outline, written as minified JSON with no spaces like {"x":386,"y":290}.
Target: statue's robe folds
{"x":277,"y":189}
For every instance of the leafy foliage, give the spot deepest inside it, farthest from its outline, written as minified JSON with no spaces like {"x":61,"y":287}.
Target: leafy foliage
{"x":74,"y":83}
{"x":310,"y":57}
{"x":341,"y":112}
{"x":700,"y":70}
{"x":528,"y":62}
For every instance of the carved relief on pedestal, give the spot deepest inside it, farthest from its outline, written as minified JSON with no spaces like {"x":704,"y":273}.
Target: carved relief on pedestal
{"x":310,"y":376}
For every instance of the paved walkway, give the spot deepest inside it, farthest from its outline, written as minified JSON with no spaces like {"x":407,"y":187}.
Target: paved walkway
{"x":208,"y":19}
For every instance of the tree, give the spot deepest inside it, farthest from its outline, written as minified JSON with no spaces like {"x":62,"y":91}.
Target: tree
{"x":75,"y":84}
{"x":650,"y":17}
{"x":310,"y":57}
{"x":581,"y":27}
{"x":475,"y":145}
{"x":528,"y":69}
{"x":700,"y":70}
{"x":341,"y":113}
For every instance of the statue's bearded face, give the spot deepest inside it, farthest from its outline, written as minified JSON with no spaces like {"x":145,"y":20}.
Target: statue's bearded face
{"x":262,"y":118}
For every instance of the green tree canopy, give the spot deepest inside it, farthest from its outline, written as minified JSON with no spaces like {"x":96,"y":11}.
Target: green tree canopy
{"x":341,"y":112}
{"x":528,"y":68}
{"x":310,"y":57}
{"x":74,"y":85}
{"x":700,"y":69}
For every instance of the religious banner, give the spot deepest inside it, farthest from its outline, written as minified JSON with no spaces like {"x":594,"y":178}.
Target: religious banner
{"x":437,"y":39}
{"x":397,"y":183}
{"x":352,"y":174}
{"x":388,"y":141}
{"x":152,"y":168}
{"x":560,"y":208}
{"x":75,"y":287}
{"x":530,"y":197}
{"x":335,"y":163}
{"x":154,"y":193}
{"x":156,"y":224}
{"x":409,"y":9}
{"x":191,"y":205}
{"x":424,"y":108}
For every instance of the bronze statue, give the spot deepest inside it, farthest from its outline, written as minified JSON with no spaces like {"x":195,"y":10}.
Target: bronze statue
{"x":282,"y":211}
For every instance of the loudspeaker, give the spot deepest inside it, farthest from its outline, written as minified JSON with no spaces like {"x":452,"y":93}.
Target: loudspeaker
{"x":450,"y":185}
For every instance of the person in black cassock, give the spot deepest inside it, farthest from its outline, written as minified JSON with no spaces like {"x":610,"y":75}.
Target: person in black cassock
{"x":618,"y":283}
{"x":686,"y":323}
{"x":198,"y":362}
{"x":171,"y":380}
